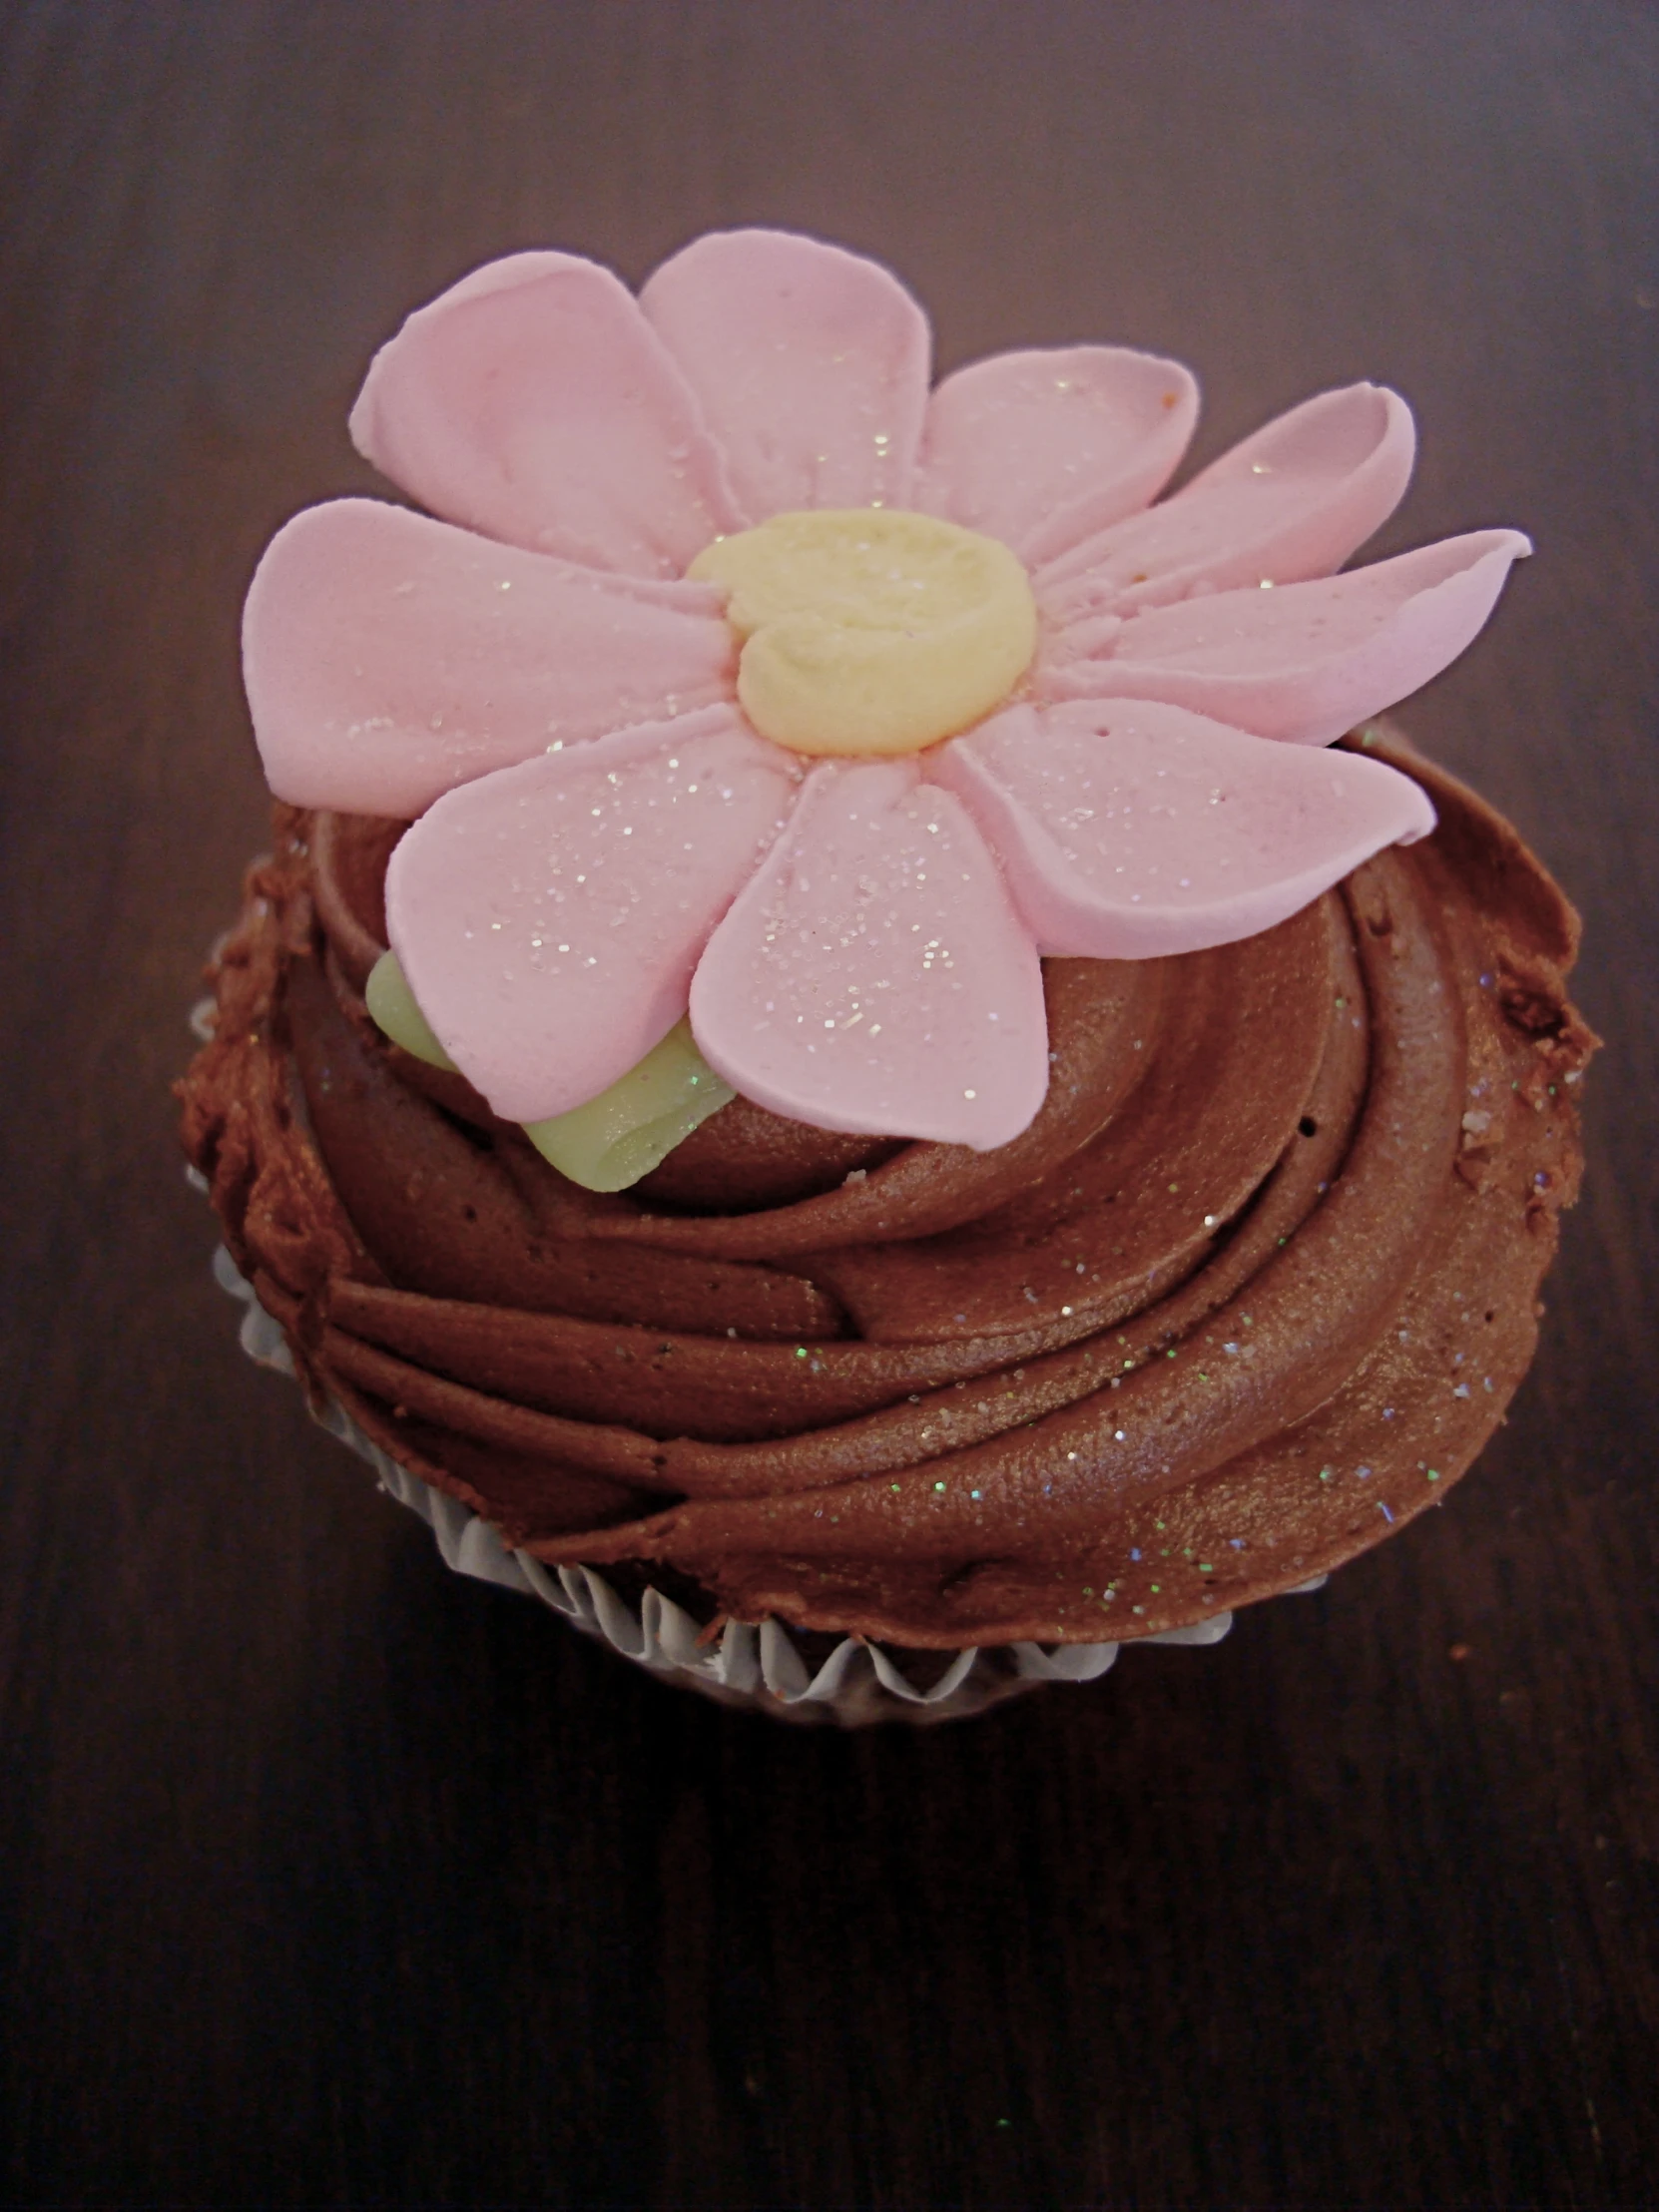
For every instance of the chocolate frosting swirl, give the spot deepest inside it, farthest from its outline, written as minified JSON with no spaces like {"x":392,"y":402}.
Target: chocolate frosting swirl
{"x":1253,"y":1289}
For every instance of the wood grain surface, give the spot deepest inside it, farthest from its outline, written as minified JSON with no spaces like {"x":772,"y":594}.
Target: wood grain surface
{"x":332,"y":1878}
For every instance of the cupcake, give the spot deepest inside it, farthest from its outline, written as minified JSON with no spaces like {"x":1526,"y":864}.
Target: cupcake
{"x":855,"y":1040}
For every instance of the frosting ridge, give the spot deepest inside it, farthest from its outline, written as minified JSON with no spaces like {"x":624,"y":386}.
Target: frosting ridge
{"x":1184,"y":1343}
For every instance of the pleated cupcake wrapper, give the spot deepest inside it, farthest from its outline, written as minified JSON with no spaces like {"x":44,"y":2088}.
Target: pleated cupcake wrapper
{"x":761,"y":1666}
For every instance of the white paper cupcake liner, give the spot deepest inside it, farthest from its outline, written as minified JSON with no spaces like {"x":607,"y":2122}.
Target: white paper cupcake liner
{"x":760,"y":1667}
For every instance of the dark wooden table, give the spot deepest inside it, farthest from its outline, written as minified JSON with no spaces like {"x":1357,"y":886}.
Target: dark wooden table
{"x":332,"y":1878}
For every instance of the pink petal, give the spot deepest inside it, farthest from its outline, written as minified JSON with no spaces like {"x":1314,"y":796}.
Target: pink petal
{"x":810,"y":364}
{"x":1290,"y":503}
{"x":1305,"y":660}
{"x":548,"y":917}
{"x":1129,"y":829}
{"x":874,"y":975}
{"x":389,"y":657}
{"x":533,"y":402}
{"x":1043,"y":450}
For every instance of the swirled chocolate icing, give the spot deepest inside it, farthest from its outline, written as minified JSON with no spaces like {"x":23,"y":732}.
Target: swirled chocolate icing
{"x":1252,"y":1291}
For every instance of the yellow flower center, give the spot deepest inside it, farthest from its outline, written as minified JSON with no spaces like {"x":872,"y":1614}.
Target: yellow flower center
{"x":870,"y":630}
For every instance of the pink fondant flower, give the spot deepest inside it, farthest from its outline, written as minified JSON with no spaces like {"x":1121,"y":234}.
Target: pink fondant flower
{"x":604,"y":839}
